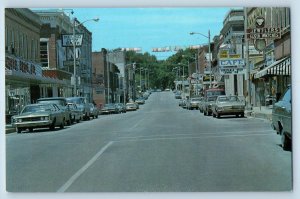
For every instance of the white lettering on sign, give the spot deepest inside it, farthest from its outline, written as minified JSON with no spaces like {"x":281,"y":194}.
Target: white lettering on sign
{"x":224,"y":71}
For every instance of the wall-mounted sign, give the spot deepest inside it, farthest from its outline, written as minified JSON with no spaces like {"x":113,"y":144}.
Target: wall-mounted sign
{"x":206,"y":78}
{"x":231,"y":62}
{"x":231,"y":70}
{"x":67,"y":40}
{"x":223,"y":54}
{"x":235,"y":56}
{"x":262,"y":32}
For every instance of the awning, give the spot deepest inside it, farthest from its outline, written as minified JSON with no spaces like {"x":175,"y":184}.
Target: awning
{"x":280,"y":67}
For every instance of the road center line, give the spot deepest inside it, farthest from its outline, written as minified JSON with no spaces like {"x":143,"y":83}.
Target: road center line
{"x":84,"y":168}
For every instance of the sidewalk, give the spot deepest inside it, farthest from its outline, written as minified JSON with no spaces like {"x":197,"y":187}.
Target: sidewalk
{"x":9,"y":129}
{"x":264,"y":112}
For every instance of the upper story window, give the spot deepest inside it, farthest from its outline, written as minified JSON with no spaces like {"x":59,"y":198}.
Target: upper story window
{"x":44,"y":57}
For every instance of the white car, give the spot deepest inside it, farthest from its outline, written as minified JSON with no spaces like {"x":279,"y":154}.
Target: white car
{"x":39,"y":116}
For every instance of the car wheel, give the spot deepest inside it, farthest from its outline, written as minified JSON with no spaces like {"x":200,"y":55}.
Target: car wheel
{"x":213,"y":115}
{"x":69,"y":121}
{"x":218,"y":115}
{"x":52,"y":126}
{"x":30,"y":129}
{"x":62,"y":125}
{"x":19,"y":130}
{"x":285,"y":142}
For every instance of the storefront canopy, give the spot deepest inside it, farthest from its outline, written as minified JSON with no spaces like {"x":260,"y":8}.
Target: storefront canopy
{"x":280,"y":67}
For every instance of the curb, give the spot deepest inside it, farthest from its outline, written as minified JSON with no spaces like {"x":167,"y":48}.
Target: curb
{"x":259,"y":115}
{"x":9,"y":129}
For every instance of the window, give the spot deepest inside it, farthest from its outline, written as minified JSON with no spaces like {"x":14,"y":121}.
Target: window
{"x":44,"y":53}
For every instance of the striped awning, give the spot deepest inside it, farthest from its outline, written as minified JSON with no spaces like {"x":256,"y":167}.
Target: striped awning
{"x":280,"y":67}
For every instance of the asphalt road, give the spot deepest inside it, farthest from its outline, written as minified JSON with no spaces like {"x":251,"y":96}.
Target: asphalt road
{"x":159,"y":148}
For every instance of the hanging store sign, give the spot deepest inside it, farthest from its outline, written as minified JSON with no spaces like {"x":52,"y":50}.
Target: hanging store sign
{"x":264,"y":33}
{"x":231,"y":66}
{"x":231,"y":62}
{"x":67,"y":40}
{"x":231,"y":70}
{"x":261,"y":33}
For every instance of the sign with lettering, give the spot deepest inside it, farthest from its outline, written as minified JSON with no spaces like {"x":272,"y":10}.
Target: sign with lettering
{"x":67,"y":40}
{"x":231,"y":62}
{"x":231,"y":70}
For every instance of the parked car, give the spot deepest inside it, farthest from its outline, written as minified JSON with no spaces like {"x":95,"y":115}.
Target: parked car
{"x":193,"y":103}
{"x":121,"y":107}
{"x":94,"y":112}
{"x":178,"y":95}
{"x":270,"y":100}
{"x":201,"y":104}
{"x":39,"y":116}
{"x":82,"y":105}
{"x":131,"y":106}
{"x":140,"y":100}
{"x":209,"y":102}
{"x":75,"y":112}
{"x":181,"y":102}
{"x":282,"y":119}
{"x":109,"y":109}
{"x":228,"y":105}
{"x":62,"y":104}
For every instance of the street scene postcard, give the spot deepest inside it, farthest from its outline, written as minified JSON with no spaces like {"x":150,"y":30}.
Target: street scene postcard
{"x":194,"y":99}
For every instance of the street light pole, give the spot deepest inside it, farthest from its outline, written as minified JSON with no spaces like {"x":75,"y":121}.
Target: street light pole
{"x":141,"y":78}
{"x":74,"y":59}
{"x":74,"y":49}
{"x":209,"y":52}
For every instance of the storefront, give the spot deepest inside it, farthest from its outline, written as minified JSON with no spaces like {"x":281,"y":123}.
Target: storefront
{"x":25,"y":83}
{"x":271,"y":82}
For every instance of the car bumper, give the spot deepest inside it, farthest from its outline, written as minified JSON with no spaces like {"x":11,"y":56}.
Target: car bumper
{"x":130,"y":109}
{"x":32,"y":124}
{"x":230,"y":112}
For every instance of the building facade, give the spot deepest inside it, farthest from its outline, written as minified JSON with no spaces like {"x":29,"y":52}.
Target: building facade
{"x":53,"y":55}
{"x":98,"y":77}
{"x":24,"y":78}
{"x":232,"y":48}
{"x":273,"y":72}
{"x":57,"y":59}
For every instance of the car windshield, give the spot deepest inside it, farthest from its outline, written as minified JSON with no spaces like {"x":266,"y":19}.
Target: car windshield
{"x":54,"y":101}
{"x":76,"y":100}
{"x":215,"y":93}
{"x":109,"y":105}
{"x":211,"y":99}
{"x":233,"y":98}
{"x":223,"y":99}
{"x":37,"y":108}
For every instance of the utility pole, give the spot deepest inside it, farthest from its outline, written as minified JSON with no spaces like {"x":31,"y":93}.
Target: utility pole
{"x":247,"y":76}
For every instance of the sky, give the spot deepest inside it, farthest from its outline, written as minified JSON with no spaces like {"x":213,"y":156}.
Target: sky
{"x":148,"y":28}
